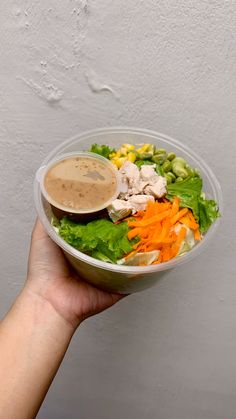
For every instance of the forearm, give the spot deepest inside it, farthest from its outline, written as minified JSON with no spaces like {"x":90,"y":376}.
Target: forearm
{"x":33,"y":341}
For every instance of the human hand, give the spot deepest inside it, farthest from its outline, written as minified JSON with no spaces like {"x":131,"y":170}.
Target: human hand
{"x":51,"y":278}
{"x":37,"y":330}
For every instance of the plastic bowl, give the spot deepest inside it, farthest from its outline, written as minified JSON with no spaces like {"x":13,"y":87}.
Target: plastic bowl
{"x":111,"y":277}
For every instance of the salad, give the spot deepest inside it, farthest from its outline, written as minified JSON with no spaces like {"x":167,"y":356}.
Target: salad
{"x":161,"y":212}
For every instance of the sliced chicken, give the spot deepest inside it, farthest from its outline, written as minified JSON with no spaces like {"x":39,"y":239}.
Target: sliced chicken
{"x":148,"y":173}
{"x":158,"y":189}
{"x":140,"y":259}
{"x":119,"y":209}
{"x":139,"y":202}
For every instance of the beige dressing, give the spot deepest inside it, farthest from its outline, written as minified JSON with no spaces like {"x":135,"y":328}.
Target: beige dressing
{"x":80,"y":183}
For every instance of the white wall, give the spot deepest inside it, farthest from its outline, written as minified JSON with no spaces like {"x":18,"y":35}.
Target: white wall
{"x":68,"y":66}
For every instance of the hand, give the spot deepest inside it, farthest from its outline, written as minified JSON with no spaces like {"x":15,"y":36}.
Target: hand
{"x":36,"y":332}
{"x":51,"y":278}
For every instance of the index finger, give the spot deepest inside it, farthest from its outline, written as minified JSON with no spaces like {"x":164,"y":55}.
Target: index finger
{"x":38,"y":231}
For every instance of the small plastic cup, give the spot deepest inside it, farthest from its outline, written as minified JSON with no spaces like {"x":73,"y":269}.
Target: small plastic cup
{"x":112,"y":277}
{"x":83,"y":213}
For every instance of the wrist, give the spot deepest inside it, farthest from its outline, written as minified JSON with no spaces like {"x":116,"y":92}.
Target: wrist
{"x":33,"y":341}
{"x":40,"y":315}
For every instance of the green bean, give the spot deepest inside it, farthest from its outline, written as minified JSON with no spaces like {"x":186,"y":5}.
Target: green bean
{"x":179,"y":179}
{"x":171,"y":156}
{"x":173,"y":177}
{"x":160,"y":151}
{"x":197,"y":173}
{"x":146,"y":152}
{"x":145,"y":155}
{"x":166,"y":166}
{"x":190,"y":170}
{"x":170,"y":177}
{"x":179,"y":167}
{"x":159,"y":158}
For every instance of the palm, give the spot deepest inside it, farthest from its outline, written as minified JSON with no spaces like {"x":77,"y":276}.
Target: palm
{"x":51,"y":278}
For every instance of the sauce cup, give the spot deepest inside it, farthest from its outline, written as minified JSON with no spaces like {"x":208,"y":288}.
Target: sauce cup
{"x":79,"y":185}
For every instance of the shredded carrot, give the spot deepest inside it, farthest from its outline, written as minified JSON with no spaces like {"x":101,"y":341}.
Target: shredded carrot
{"x":175,"y":206}
{"x":188,"y":222}
{"x":166,"y":254}
{"x":166,"y":226}
{"x":133,"y":233}
{"x":197,"y":234}
{"x":155,"y":227}
{"x":156,"y":262}
{"x":179,"y":215}
{"x":130,"y":254}
{"x":152,"y":220}
{"x":190,"y":214}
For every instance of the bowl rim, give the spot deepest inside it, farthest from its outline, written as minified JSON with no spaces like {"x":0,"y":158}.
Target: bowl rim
{"x":132,"y":270}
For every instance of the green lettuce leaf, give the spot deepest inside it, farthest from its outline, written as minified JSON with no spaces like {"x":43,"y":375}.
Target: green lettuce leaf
{"x":208,"y":213}
{"x":101,"y":239}
{"x":140,"y":163}
{"x":158,"y":168}
{"x":190,"y":185}
{"x":189,"y":191}
{"x":103,"y":150}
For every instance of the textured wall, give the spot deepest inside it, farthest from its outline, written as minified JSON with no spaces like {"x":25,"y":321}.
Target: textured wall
{"x":168,"y":65}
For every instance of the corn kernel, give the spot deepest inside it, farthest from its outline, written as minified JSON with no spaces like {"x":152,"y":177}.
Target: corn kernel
{"x":123,"y":151}
{"x":121,"y":161}
{"x":131,"y":157}
{"x":144,"y":148}
{"x":129,"y":147}
{"x":118,"y":161}
{"x":114,"y":161}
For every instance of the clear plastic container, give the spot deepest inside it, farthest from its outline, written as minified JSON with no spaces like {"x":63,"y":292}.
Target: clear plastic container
{"x":117,"y":278}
